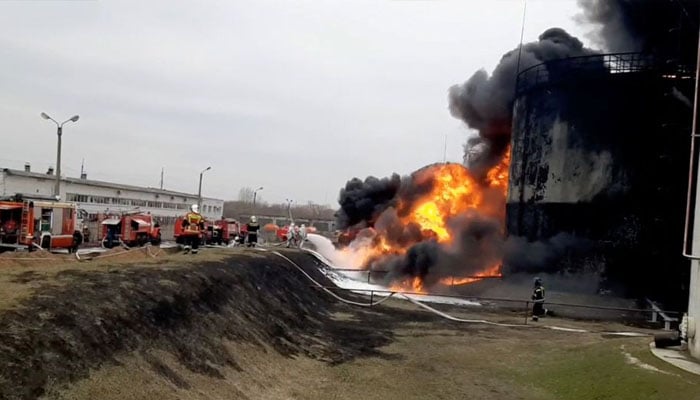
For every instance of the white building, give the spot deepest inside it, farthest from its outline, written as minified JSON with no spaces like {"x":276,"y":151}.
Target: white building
{"x":98,"y":197}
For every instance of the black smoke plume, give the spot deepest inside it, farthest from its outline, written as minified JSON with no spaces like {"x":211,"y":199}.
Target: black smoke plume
{"x":485,"y":102}
{"x":479,"y":244}
{"x":667,"y":28}
{"x":362,"y":202}
{"x":519,"y":255}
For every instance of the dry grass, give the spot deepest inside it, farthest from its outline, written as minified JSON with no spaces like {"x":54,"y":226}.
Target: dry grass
{"x":22,"y":273}
{"x":427,"y":360}
{"x":428,"y":357}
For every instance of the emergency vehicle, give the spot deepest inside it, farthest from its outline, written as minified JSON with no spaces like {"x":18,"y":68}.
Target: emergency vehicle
{"x":27,"y":223}
{"x":132,"y":229}
{"x":179,"y":232}
{"x":220,"y":232}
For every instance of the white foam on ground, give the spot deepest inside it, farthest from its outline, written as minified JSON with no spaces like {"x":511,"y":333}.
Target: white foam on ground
{"x":356,"y":281}
{"x":626,"y":334}
{"x":632,"y":360}
{"x":565,"y":329}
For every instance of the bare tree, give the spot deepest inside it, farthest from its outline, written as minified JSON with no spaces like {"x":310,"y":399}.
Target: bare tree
{"x":311,"y":211}
{"x":246,"y":194}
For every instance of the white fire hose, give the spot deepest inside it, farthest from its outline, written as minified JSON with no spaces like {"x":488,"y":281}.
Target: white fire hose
{"x":441,"y":313}
{"x":346,"y":301}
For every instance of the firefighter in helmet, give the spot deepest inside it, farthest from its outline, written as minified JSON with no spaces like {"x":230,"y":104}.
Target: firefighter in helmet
{"x":253,"y":228}
{"x":291,"y":235}
{"x":538,"y":309}
{"x":193,"y":225}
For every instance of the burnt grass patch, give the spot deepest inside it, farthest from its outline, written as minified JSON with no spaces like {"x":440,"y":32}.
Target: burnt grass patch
{"x":63,"y":331}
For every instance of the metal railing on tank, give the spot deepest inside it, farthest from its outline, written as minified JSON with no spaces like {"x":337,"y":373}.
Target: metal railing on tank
{"x":592,"y":66}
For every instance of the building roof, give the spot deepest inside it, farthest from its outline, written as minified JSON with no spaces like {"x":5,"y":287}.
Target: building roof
{"x":110,"y":185}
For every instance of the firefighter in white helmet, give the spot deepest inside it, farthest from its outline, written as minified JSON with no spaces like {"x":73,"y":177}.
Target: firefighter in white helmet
{"x":291,"y":234}
{"x":192,"y":227}
{"x":302,"y":235}
{"x":253,"y":228}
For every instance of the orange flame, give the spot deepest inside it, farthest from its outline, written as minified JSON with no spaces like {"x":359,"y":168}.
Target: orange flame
{"x":492,"y":272}
{"x":454,"y":191}
{"x":413,"y":285}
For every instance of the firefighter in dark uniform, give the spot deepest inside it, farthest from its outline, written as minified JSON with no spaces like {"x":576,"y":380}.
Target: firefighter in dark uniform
{"x":253,"y":228}
{"x":193,"y":225}
{"x":538,"y":309}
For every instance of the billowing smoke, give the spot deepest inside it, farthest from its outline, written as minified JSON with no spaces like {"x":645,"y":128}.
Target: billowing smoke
{"x":479,"y":245}
{"x":666,"y":28}
{"x":361,"y":202}
{"x":485,"y":102}
{"x":410,"y":244}
{"x":519,"y":255}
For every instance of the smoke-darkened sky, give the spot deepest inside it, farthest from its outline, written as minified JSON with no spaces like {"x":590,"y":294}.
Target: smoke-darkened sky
{"x":293,"y":96}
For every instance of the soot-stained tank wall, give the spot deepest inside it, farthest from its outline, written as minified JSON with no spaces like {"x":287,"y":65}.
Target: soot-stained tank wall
{"x":605,"y":157}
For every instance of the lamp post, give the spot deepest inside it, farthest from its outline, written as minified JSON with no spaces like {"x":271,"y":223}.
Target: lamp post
{"x":59,"y":132}
{"x":199,"y":193}
{"x":289,"y":209}
{"x":255,"y":196}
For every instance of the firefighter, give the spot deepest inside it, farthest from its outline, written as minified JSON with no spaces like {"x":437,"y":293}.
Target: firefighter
{"x":538,"y":309}
{"x":302,"y":235}
{"x":253,"y":228}
{"x":192,"y":224}
{"x":292,"y":233}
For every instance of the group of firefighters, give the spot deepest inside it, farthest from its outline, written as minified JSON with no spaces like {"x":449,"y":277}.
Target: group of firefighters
{"x":193,"y":225}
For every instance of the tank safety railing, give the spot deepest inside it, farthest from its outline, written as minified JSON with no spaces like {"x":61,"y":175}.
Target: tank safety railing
{"x":567,"y":69}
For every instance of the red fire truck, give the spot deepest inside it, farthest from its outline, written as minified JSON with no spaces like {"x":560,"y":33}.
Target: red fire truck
{"x":223,"y":231}
{"x":132,"y":229}
{"x":28,"y":223}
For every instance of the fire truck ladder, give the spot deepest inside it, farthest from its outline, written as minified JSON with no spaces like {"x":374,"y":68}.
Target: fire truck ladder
{"x":24,"y":226}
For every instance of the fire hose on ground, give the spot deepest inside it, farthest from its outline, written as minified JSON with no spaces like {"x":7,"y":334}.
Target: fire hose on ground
{"x":146,"y":249}
{"x":315,"y":282}
{"x":443,"y":314}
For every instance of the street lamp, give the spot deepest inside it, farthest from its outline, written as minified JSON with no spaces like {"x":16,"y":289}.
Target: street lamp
{"x":289,"y":209}
{"x":199,"y":194}
{"x":59,"y":132}
{"x":255,"y":196}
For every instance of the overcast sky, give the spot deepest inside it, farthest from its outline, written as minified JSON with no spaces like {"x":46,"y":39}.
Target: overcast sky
{"x":295,"y":96}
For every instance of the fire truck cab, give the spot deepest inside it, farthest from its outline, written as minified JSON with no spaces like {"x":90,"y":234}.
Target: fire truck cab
{"x":28,"y":223}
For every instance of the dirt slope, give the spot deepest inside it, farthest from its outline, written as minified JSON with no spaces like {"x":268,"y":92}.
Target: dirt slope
{"x":77,"y":321}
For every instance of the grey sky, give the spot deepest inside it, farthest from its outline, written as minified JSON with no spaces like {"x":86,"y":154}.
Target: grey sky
{"x":307,"y":93}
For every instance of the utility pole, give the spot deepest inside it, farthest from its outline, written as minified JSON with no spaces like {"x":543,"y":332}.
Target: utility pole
{"x":444,"y":152}
{"x":161,"y":178}
{"x":255,"y":195}
{"x":199,"y":193}
{"x":59,"y":132}
{"x":289,"y":210}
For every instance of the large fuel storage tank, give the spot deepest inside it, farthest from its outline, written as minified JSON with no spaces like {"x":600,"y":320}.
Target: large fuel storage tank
{"x":600,"y":151}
